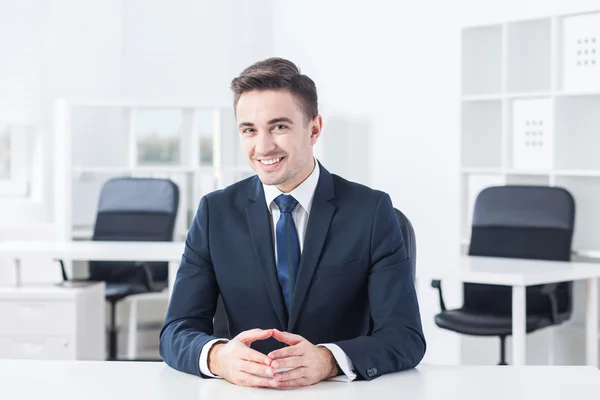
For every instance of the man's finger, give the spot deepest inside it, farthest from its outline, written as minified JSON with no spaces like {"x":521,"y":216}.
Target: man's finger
{"x":256,"y":369}
{"x":249,"y":354}
{"x":293,"y":383}
{"x":286,"y":352}
{"x":289,"y":362}
{"x":291,"y":375}
{"x":248,"y":337}
{"x":246,"y":379}
{"x":288,"y":338}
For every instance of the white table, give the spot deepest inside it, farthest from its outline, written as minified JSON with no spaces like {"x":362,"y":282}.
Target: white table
{"x":74,"y":380}
{"x":94,"y":251}
{"x":101,"y":251}
{"x":520,"y":273}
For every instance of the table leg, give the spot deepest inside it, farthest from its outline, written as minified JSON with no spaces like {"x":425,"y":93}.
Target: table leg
{"x":132,"y":331}
{"x":173,"y":267}
{"x":591,"y":322}
{"x":518,"y":325}
{"x":17,"y":272}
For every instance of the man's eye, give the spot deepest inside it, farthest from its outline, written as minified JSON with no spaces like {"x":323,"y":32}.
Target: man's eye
{"x":280,"y":127}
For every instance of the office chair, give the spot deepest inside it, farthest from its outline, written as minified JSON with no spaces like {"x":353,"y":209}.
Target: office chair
{"x":132,"y":209}
{"x":220,"y":322}
{"x":530,"y":222}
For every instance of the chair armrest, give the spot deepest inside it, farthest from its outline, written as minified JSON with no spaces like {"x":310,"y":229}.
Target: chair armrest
{"x":148,"y":273}
{"x":550,"y":290}
{"x":62,"y":270}
{"x":437,"y":284}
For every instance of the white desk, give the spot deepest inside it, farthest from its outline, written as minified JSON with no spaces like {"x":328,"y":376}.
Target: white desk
{"x":519,"y":274}
{"x":94,"y":251}
{"x":71,"y":380}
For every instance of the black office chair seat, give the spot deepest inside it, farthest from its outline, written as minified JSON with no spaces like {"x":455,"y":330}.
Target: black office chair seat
{"x":471,"y":323}
{"x":119,"y":290}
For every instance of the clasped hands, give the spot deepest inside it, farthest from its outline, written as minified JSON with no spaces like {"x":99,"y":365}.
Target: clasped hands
{"x":306,"y":364}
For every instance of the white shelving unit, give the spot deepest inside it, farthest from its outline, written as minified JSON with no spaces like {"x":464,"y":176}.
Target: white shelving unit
{"x":530,"y":113}
{"x":195,"y":146}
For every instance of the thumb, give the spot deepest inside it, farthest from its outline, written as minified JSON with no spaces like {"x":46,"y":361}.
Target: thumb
{"x":288,"y":338}
{"x":251,"y":336}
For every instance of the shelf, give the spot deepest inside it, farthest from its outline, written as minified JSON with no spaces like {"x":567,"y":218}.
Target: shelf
{"x":574,"y":93}
{"x":482,"y":134}
{"x":482,"y":60}
{"x":586,"y":192}
{"x":524,"y":172}
{"x":481,"y":171}
{"x":530,"y":104}
{"x":580,"y":52}
{"x":578,"y":173}
{"x":577,"y":127}
{"x":530,"y":128}
{"x":528,"y":179}
{"x":528,"y":95}
{"x":528,"y":55}
{"x":483,"y":97}
{"x":145,"y":169}
{"x":472,"y":185}
{"x":528,"y":172}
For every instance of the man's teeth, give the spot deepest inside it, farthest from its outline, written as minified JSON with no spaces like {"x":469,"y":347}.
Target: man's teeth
{"x":271,"y":161}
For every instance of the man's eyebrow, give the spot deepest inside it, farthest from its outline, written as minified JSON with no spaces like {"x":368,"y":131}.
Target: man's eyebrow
{"x":270,"y":122}
{"x":280,"y":119}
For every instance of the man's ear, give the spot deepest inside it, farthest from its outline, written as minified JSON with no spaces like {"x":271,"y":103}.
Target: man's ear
{"x":316,"y":125}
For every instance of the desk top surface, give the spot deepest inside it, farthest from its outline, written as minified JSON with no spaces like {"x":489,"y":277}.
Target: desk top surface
{"x":511,"y":271}
{"x":69,"y":380}
{"x":95,"y":250}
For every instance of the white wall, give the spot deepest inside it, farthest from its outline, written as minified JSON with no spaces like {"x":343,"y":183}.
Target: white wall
{"x":396,"y":64}
{"x":190,"y":49}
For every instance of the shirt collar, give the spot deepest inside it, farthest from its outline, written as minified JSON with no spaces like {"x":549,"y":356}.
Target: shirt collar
{"x":303,"y":193}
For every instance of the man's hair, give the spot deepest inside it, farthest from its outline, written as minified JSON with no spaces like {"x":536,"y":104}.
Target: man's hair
{"x":278,"y":74}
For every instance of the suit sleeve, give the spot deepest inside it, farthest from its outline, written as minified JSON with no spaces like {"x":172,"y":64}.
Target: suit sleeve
{"x":397,"y":342}
{"x":188,"y":324}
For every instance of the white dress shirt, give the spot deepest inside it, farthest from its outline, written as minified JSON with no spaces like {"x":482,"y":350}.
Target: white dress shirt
{"x":304,"y":194}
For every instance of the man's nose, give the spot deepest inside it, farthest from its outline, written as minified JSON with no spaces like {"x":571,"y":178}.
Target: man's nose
{"x":264,"y":143}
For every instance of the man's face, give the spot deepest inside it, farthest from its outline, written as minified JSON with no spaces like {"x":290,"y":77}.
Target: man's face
{"x":276,"y":138}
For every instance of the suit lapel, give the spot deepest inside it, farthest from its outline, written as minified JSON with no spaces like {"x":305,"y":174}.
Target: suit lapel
{"x":259,"y":225}
{"x":316,"y":232}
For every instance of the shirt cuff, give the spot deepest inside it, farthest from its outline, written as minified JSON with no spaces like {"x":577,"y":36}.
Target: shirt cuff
{"x":343,"y":361}
{"x":204,"y":357}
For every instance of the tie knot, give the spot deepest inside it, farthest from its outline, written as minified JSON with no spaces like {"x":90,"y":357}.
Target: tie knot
{"x":286,"y":203}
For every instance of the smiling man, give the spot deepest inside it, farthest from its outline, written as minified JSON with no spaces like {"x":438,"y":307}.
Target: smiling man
{"x":312,"y":268}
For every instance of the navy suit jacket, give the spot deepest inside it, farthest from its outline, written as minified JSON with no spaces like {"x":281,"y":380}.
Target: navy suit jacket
{"x":354,"y":287}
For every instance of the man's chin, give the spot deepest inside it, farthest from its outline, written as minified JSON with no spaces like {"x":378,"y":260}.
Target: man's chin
{"x":269,"y":179}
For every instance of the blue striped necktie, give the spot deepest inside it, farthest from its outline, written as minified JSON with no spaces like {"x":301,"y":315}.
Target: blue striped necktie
{"x":288,"y":247}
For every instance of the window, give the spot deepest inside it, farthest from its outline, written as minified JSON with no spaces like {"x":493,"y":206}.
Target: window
{"x":21,"y":27}
{"x":159,"y":137}
{"x":14,"y":165}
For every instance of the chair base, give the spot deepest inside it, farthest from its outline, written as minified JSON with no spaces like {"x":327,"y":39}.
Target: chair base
{"x":502,"y":351}
{"x":112,"y":335}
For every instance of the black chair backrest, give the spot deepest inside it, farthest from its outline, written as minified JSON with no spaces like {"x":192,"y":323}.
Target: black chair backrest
{"x":134,"y":209}
{"x":531,"y":222}
{"x":220,"y":323}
